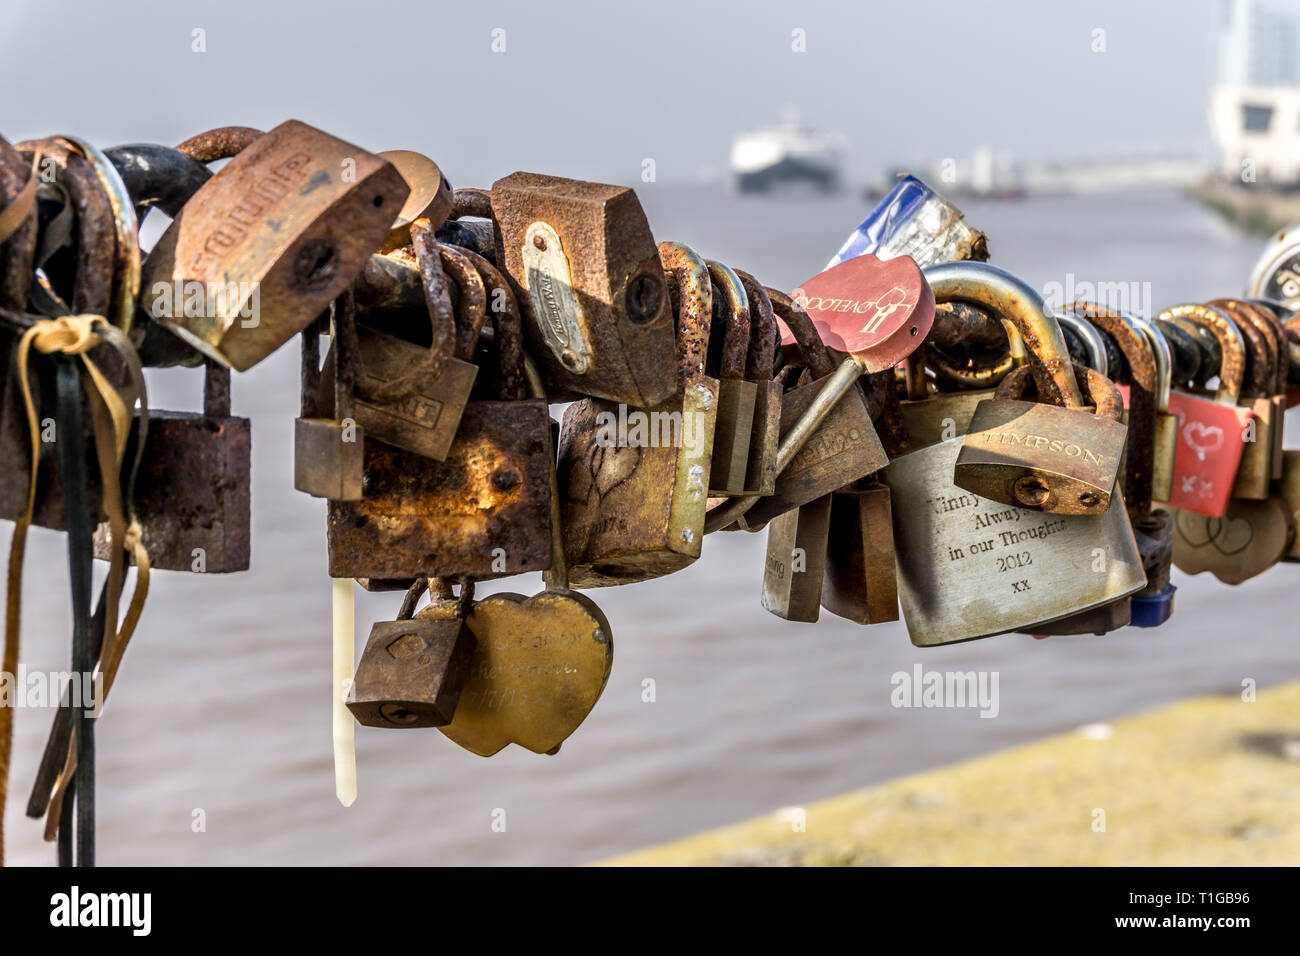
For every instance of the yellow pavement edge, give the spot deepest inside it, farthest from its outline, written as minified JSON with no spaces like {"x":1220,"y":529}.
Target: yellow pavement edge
{"x":1206,"y":781}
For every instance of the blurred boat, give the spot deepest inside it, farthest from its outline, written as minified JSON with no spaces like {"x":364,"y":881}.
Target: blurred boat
{"x":789,"y":154}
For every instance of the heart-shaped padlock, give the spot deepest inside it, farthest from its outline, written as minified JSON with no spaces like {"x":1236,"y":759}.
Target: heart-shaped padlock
{"x":541,"y":662}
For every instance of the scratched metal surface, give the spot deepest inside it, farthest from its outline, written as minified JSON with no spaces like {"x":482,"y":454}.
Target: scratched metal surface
{"x":222,"y":703}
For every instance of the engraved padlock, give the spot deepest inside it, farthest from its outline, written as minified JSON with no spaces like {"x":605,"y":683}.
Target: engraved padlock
{"x":588,"y":278}
{"x":1057,"y":458}
{"x":634,"y":500}
{"x":270,"y":240}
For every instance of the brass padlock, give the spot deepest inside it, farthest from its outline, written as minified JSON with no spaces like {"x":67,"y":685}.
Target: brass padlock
{"x":192,"y":495}
{"x":734,"y":426}
{"x":635,"y":510}
{"x":760,"y":477}
{"x":269,"y":241}
{"x":1056,"y":458}
{"x":482,"y":513}
{"x":588,"y":277}
{"x":860,"y":580}
{"x":328,"y":444}
{"x":412,"y":669}
{"x":541,"y":663}
{"x":971,"y":567}
{"x":795,"y":562}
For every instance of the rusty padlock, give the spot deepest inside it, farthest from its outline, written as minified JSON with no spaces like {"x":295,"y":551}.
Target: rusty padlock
{"x":269,"y":241}
{"x":634,"y":507}
{"x":587,"y":274}
{"x":327,"y":441}
{"x":412,"y":669}
{"x":483,"y":513}
{"x":193,"y":486}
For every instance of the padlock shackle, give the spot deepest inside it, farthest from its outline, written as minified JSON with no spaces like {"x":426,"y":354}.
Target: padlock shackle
{"x":223,"y":142}
{"x":157,"y":176}
{"x":1232,"y":347}
{"x":442,"y":326}
{"x":1163,"y":354}
{"x":948,"y":371}
{"x":1020,"y":305}
{"x":1144,"y":405}
{"x":125,"y":225}
{"x":760,"y":364}
{"x":1184,"y":351}
{"x":735,"y":304}
{"x":1099,"y":391}
{"x":476,"y":203}
{"x":95,"y":238}
{"x":216,"y":388}
{"x":1276,"y":313}
{"x":508,"y":331}
{"x":471,"y":301}
{"x":1256,"y":324}
{"x":1261,"y":348}
{"x":692,"y":292}
{"x":1089,"y":335}
{"x":817,"y":357}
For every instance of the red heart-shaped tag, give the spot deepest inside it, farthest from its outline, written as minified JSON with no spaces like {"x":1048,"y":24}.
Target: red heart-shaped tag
{"x":878,"y":310}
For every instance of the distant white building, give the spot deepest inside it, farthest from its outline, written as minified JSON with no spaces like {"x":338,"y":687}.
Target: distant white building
{"x":1255,"y":104}
{"x":1257,"y":132}
{"x":1256,"y":45}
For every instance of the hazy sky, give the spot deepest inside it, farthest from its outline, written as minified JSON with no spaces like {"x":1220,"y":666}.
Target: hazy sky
{"x":591,"y":89}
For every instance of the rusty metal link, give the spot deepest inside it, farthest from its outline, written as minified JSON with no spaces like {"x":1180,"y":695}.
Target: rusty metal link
{"x":960,"y":323}
{"x":442,"y":327}
{"x":973,"y":369}
{"x":731,"y":310}
{"x":471,"y":300}
{"x":220,"y":143}
{"x":96,"y":259}
{"x":507,"y":328}
{"x":471,"y":202}
{"x":1231,"y":363}
{"x":1288,"y":348}
{"x":1094,"y":388}
{"x":18,"y":252}
{"x":1143,"y":384}
{"x":818,"y":357}
{"x":1261,"y":350}
{"x":687,"y":273}
{"x":760,"y":363}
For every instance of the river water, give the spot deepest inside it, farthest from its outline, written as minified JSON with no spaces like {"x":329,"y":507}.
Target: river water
{"x":221,"y":716}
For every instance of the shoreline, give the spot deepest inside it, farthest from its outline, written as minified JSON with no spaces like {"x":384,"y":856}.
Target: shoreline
{"x":1209,"y":781}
